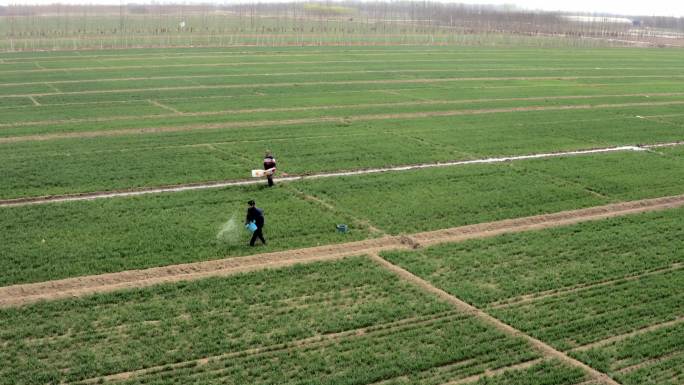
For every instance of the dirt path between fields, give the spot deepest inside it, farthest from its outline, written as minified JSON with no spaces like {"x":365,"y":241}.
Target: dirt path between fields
{"x":322,"y":119}
{"x":544,"y":348}
{"x":25,"y":201}
{"x":21,"y":294}
{"x":422,"y":102}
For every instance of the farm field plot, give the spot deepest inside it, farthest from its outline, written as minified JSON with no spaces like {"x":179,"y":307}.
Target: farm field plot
{"x":90,"y":237}
{"x":343,"y":322}
{"x":653,"y":357}
{"x":560,"y":306}
{"x":128,"y":119}
{"x":83,"y":165}
{"x":439,"y":198}
{"x":58,"y":241}
{"x":605,"y":292}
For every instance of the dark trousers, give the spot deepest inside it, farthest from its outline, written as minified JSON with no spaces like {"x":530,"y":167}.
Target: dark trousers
{"x":270,"y":180}
{"x":257,"y":234}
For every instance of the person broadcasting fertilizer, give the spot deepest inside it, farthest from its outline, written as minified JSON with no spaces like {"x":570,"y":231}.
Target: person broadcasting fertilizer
{"x":256,"y":215}
{"x":269,"y":167}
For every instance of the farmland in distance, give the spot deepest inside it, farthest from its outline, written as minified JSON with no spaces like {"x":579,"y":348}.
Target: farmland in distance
{"x":403,"y":144}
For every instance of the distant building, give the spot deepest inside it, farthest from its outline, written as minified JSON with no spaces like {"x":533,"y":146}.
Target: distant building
{"x":600,"y":19}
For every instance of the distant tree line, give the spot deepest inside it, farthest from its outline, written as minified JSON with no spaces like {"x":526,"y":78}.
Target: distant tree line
{"x":345,"y":21}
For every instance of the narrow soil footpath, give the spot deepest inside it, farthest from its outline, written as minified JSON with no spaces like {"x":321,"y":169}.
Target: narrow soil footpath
{"x":17,"y":295}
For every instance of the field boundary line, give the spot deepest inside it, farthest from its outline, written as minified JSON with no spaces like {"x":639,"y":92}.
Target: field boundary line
{"x":153,"y":66}
{"x":250,"y":63}
{"x":365,"y":223}
{"x":490,"y":373}
{"x":52,"y":87}
{"x":541,"y":346}
{"x":321,"y":119}
{"x":34,"y":101}
{"x":73,"y":287}
{"x":220,"y":51}
{"x":306,"y":73}
{"x":622,"y":337}
{"x":589,"y":382}
{"x":524,"y":299}
{"x":662,"y":145}
{"x":20,"y":294}
{"x":379,"y":91}
{"x":160,"y":105}
{"x":320,"y":340}
{"x":438,"y":368}
{"x":648,"y":362}
{"x":418,"y":102}
{"x":342,"y":83}
{"x":219,"y":54}
{"x":241,"y":50}
{"x":25,"y":201}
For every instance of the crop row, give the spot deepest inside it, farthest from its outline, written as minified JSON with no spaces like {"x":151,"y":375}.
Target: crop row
{"x":265,"y":80}
{"x":579,"y":318}
{"x":263,"y":108}
{"x":460,"y":349}
{"x":243,"y":97}
{"x":523,"y":267}
{"x":77,"y":238}
{"x":362,"y":106}
{"x":81,"y":165}
{"x":590,"y":289}
{"x":594,"y":280}
{"x":434,"y":199}
{"x":545,"y":373}
{"x":219,"y":99}
{"x":300,"y":324}
{"x":170,"y":53}
{"x":317,"y":78}
{"x":230,"y":97}
{"x":471,"y":57}
{"x":656,"y":357}
{"x":50,"y":241}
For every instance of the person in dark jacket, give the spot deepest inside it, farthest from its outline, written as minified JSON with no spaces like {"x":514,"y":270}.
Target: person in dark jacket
{"x":257,"y":215}
{"x":269,"y":163}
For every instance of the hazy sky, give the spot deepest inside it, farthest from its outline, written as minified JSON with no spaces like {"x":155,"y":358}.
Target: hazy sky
{"x":628,"y":7}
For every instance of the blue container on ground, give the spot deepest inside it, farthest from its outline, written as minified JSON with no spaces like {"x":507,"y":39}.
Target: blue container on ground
{"x":342,"y":228}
